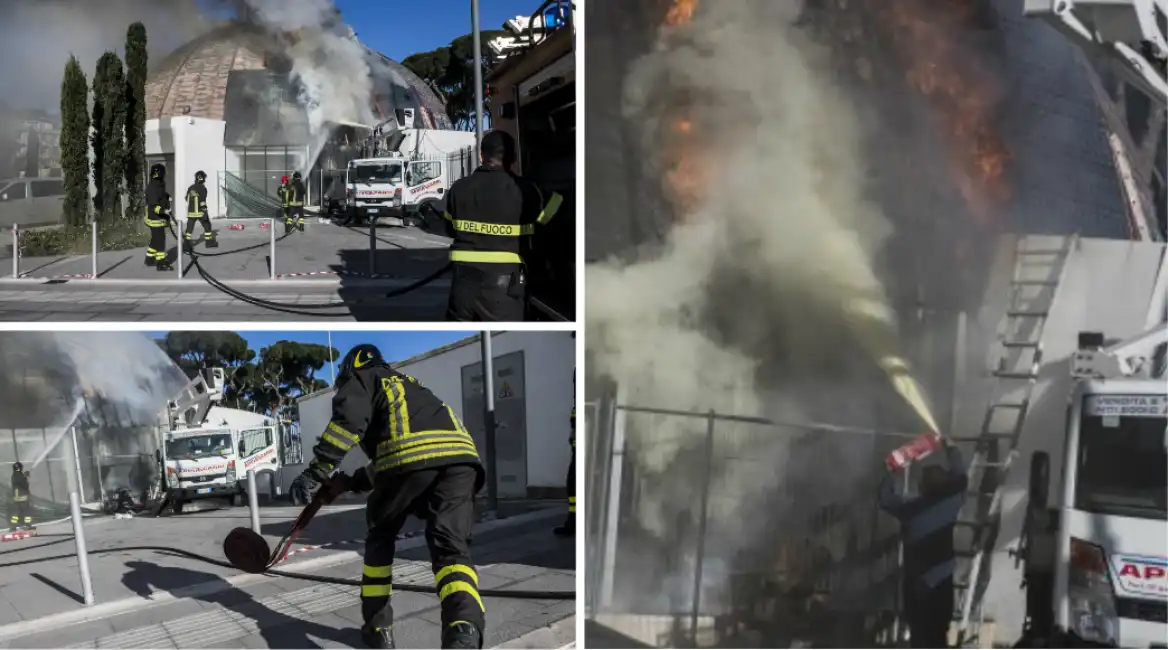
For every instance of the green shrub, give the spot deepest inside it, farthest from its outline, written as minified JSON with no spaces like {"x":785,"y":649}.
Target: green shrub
{"x":75,"y":240}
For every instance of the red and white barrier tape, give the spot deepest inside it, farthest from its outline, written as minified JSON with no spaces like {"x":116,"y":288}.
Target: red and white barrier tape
{"x":71,"y":276}
{"x":345,"y":274}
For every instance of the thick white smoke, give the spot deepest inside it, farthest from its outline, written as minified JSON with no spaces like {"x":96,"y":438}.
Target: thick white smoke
{"x":327,"y":59}
{"x":764,"y":303}
{"x":38,"y":36}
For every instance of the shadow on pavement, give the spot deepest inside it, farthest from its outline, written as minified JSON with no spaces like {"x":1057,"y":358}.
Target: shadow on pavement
{"x":59,"y":587}
{"x":278,"y":630}
{"x":601,"y":636}
{"x":408,"y":264}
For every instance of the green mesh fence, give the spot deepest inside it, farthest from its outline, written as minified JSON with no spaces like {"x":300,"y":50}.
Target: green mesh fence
{"x":248,"y":201}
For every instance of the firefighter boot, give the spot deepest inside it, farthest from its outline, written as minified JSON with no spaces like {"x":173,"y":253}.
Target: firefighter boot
{"x":287,"y":226}
{"x":212,"y":239}
{"x":461,"y":634}
{"x":151,"y":260}
{"x":377,"y":637}
{"x":165,"y":264}
{"x":568,"y":529}
{"x":300,"y":225}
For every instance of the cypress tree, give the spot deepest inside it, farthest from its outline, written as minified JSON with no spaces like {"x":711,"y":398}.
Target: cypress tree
{"x":135,"y":170}
{"x":97,"y":139}
{"x":74,"y":143}
{"x":113,"y":151}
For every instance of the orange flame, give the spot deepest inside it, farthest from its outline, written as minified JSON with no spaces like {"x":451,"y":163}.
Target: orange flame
{"x":961,"y":90}
{"x":686,"y":176}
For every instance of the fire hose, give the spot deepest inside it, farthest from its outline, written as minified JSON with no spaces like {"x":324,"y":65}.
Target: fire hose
{"x":247,"y":551}
{"x":299,"y":309}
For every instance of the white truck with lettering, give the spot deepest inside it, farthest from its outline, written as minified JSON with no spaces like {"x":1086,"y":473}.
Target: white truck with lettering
{"x":207,"y":450}
{"x":407,"y":169}
{"x":1095,"y":550}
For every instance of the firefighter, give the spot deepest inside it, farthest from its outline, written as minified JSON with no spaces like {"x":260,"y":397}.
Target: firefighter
{"x":493,"y":213}
{"x":157,"y":218}
{"x":568,"y":529}
{"x":296,"y":194}
{"x":424,"y":463}
{"x":21,"y":513}
{"x":927,"y":524}
{"x":197,"y":211}
{"x":285,"y":194}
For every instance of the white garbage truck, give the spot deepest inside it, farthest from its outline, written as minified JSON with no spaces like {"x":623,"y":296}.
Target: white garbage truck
{"x":206,"y":450}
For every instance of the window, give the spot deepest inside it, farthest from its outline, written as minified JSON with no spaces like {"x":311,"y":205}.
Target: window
{"x":41,"y":189}
{"x":376,"y":173}
{"x":254,"y":440}
{"x":420,"y":172}
{"x":1123,"y":466}
{"x":13,"y":192}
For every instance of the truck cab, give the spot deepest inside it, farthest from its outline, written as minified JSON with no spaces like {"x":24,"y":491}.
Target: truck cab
{"x":373,"y":190}
{"x":1097,"y":557}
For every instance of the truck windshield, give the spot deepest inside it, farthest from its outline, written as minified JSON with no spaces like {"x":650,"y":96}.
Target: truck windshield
{"x":379,"y":173}
{"x":1123,"y":466}
{"x":218,"y":444}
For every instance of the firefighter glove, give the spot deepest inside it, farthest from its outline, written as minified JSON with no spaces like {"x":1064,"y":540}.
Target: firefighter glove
{"x":305,"y":486}
{"x":361,"y":481}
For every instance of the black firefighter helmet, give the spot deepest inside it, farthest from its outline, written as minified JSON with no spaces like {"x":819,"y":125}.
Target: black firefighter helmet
{"x":200,"y":176}
{"x":361,"y":356}
{"x":296,"y":176}
{"x":17,"y":466}
{"x":158,"y":170}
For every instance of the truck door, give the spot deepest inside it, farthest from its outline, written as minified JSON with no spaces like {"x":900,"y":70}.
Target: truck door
{"x":257,"y":450}
{"x":424,"y":181}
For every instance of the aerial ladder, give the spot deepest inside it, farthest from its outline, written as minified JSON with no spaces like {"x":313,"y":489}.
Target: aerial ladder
{"x":1129,"y":36}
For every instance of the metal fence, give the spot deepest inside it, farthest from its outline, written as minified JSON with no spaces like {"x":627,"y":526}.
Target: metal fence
{"x":710,"y":529}
{"x":254,"y":193}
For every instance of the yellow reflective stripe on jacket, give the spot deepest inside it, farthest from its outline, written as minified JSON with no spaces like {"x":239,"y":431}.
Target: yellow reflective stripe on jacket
{"x":465,"y":451}
{"x":485,"y":257}
{"x":155,"y":223}
{"x":343,"y":432}
{"x":496,"y":229}
{"x":552,"y":207}
{"x":447,"y":216}
{"x":343,"y":445}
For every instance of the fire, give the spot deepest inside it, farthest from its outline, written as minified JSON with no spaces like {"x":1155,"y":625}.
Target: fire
{"x":961,"y":90}
{"x":686,"y":175}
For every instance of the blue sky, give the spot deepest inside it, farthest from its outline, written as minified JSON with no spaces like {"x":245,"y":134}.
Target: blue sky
{"x":399,"y":29}
{"x":396,"y":346}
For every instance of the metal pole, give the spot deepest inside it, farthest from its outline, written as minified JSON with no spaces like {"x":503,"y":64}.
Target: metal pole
{"x":478,"y":73}
{"x":272,"y":245}
{"x":613,"y":501}
{"x":253,"y":501}
{"x":958,"y":369}
{"x":93,"y":273}
{"x":701,"y":542}
{"x":178,"y":263}
{"x":489,"y":422}
{"x":899,"y":625}
{"x":82,"y":554}
{"x":77,"y":461}
{"x":372,"y":245}
{"x":332,"y":358}
{"x":15,"y":251}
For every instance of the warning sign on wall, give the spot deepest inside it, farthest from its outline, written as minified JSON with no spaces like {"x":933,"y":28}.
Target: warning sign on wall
{"x":505,"y":392}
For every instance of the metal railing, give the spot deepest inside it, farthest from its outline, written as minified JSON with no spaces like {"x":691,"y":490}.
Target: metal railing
{"x":753,"y":527}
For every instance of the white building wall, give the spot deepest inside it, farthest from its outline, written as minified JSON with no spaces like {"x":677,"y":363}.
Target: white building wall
{"x":549,"y":362}
{"x":196,"y":144}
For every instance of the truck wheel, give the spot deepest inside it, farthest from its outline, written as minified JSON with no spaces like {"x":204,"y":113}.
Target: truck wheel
{"x":176,"y":506}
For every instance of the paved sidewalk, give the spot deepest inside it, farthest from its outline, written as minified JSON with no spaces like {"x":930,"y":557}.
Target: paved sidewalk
{"x":194,"y":300}
{"x":198,"y":605}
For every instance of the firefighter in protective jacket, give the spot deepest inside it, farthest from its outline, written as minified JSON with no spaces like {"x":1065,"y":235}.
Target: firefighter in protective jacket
{"x":197,"y":210}
{"x":20,"y":510}
{"x":424,"y":463}
{"x":294,"y":194}
{"x":494,"y":213}
{"x":285,"y":194}
{"x":157,"y":218}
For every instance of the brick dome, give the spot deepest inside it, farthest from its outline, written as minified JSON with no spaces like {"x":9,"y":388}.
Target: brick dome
{"x":196,"y":75}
